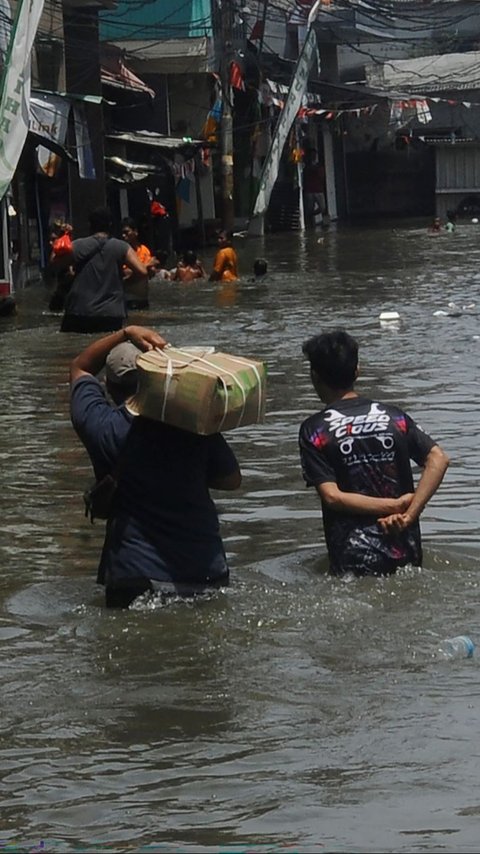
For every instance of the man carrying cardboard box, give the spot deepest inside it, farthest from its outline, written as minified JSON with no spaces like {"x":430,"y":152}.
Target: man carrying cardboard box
{"x":162,"y":533}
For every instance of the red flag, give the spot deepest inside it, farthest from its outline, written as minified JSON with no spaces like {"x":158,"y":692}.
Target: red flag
{"x":258,"y":31}
{"x":236,"y":78}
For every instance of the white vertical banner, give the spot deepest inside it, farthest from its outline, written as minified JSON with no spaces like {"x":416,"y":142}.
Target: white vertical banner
{"x":15,"y":89}
{"x":293,"y":103}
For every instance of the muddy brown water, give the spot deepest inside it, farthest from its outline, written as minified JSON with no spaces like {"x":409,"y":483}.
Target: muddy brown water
{"x":291,"y":711}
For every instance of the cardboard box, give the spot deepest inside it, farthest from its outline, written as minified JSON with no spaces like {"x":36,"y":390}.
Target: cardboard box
{"x":199,"y":390}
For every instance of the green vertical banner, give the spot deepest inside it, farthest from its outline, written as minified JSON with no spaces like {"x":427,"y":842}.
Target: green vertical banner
{"x":15,"y":89}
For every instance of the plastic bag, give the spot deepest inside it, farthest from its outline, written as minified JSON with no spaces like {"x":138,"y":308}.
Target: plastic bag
{"x":62,"y":245}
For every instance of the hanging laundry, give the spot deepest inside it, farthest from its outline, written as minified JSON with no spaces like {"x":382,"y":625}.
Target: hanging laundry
{"x":423,"y":112}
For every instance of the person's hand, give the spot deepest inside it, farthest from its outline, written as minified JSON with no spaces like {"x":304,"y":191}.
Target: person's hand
{"x":153,"y":267}
{"x":395,"y":523}
{"x":144,"y":338}
{"x":401,"y":519}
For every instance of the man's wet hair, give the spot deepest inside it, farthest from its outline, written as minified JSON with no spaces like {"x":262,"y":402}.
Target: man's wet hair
{"x":334,"y":358}
{"x":189,"y":258}
{"x":100,"y":219}
{"x":260,"y":267}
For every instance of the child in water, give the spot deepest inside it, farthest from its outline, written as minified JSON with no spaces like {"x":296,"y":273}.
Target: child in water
{"x":450,"y":224}
{"x":189,"y":268}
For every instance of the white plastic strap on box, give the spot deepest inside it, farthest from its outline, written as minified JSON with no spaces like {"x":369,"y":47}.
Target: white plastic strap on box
{"x":255,"y":371}
{"x":215,"y":370}
{"x":168,"y":380}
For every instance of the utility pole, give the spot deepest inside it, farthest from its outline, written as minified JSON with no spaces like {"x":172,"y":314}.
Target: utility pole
{"x":264,"y":24}
{"x":226,"y":125}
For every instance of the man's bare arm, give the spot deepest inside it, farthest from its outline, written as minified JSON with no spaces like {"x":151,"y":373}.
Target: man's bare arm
{"x":433,"y":473}
{"x":92,"y":359}
{"x":132,"y":261}
{"x":355,"y":502}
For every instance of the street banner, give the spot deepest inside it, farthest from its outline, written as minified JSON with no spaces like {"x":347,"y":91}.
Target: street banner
{"x":49,"y":118}
{"x":15,"y":89}
{"x":86,"y":164}
{"x":293,"y":103}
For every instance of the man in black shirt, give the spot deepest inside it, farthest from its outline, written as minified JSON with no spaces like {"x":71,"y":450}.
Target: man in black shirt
{"x":356,"y":453}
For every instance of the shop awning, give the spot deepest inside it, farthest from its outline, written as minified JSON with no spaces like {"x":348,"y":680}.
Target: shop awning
{"x":157,"y":140}
{"x":129,"y":172}
{"x":115,"y":73}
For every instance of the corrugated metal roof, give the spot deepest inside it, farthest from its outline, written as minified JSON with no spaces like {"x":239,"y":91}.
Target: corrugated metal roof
{"x":436,"y":73}
{"x":291,"y":5}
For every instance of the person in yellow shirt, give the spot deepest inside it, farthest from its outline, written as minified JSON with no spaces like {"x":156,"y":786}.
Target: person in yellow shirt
{"x":225,"y":266}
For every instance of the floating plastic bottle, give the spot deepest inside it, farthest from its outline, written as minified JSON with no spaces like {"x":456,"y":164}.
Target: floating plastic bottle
{"x":458,"y":647}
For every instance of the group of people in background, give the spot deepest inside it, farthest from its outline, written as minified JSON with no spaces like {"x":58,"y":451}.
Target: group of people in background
{"x":100,"y":278}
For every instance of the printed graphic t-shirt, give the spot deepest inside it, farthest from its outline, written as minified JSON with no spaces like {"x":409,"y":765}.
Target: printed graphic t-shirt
{"x":364,"y":446}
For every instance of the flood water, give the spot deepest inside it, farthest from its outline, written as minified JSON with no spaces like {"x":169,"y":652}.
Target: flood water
{"x":291,"y":711}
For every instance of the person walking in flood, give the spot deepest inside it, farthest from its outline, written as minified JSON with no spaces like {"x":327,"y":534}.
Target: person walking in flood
{"x":96,"y":300}
{"x":225,"y":266}
{"x":136,"y":287}
{"x":356,"y":453}
{"x":162,"y":531}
